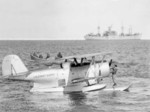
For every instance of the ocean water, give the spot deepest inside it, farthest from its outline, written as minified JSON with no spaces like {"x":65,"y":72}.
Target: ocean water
{"x":132,"y":57}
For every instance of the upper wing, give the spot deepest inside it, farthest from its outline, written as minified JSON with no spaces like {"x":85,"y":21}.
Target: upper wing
{"x":52,"y":61}
{"x":85,"y":55}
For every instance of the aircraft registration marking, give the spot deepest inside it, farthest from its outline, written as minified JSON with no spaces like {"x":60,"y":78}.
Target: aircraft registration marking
{"x":44,"y":75}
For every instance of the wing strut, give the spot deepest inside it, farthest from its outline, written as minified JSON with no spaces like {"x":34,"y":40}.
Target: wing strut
{"x":12,"y":68}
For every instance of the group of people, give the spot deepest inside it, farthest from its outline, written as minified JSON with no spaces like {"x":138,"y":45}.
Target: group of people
{"x":44,"y":55}
{"x":40,"y":55}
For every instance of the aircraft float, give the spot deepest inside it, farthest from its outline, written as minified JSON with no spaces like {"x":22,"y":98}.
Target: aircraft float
{"x":75,"y":74}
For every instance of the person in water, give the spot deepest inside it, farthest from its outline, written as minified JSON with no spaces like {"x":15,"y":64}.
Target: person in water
{"x":48,"y":56}
{"x":41,"y":56}
{"x":35,"y":54}
{"x":59,"y":55}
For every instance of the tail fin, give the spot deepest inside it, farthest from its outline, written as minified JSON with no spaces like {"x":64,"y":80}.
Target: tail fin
{"x":13,"y":65}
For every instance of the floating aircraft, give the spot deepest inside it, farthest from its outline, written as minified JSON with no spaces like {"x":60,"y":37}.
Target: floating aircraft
{"x":71,"y":76}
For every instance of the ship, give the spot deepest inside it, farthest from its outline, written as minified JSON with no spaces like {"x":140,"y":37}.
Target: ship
{"x":113,"y":35}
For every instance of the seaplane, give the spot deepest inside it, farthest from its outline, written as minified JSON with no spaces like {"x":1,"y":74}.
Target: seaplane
{"x":75,"y":73}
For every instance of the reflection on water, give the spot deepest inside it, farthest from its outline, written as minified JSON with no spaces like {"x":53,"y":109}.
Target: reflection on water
{"x":16,"y":96}
{"x":77,"y":98}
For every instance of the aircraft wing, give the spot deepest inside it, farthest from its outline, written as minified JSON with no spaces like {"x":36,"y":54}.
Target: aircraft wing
{"x":85,"y":55}
{"x":49,"y":62}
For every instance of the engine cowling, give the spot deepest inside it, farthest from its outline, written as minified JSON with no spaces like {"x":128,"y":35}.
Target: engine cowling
{"x":104,"y":69}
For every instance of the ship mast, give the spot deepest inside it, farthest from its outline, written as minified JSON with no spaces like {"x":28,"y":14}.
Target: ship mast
{"x":98,"y":29}
{"x":109,"y":28}
{"x":122,"y":30}
{"x":130,"y":30}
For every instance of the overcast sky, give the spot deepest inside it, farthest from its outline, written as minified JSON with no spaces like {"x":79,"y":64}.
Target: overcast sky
{"x":71,"y":19}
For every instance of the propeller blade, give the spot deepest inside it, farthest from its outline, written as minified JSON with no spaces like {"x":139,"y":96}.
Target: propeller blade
{"x":110,"y":62}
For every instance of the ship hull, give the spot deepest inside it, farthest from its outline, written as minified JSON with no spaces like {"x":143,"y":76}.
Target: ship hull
{"x":112,"y":38}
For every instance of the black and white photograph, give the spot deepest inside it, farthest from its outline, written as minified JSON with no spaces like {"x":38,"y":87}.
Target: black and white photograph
{"x":74,"y":56}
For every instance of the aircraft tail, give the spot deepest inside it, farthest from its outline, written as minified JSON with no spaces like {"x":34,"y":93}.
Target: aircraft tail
{"x":13,"y":65}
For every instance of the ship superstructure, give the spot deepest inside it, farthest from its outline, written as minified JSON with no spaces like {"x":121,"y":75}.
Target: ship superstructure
{"x":113,"y":35}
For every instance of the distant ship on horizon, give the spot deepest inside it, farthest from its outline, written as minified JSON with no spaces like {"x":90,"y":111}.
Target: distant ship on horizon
{"x":112,"y":35}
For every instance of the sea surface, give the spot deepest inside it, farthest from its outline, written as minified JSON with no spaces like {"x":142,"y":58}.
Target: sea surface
{"x":132,"y":57}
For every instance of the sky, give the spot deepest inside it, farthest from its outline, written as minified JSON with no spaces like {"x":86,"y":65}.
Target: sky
{"x":71,"y":19}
